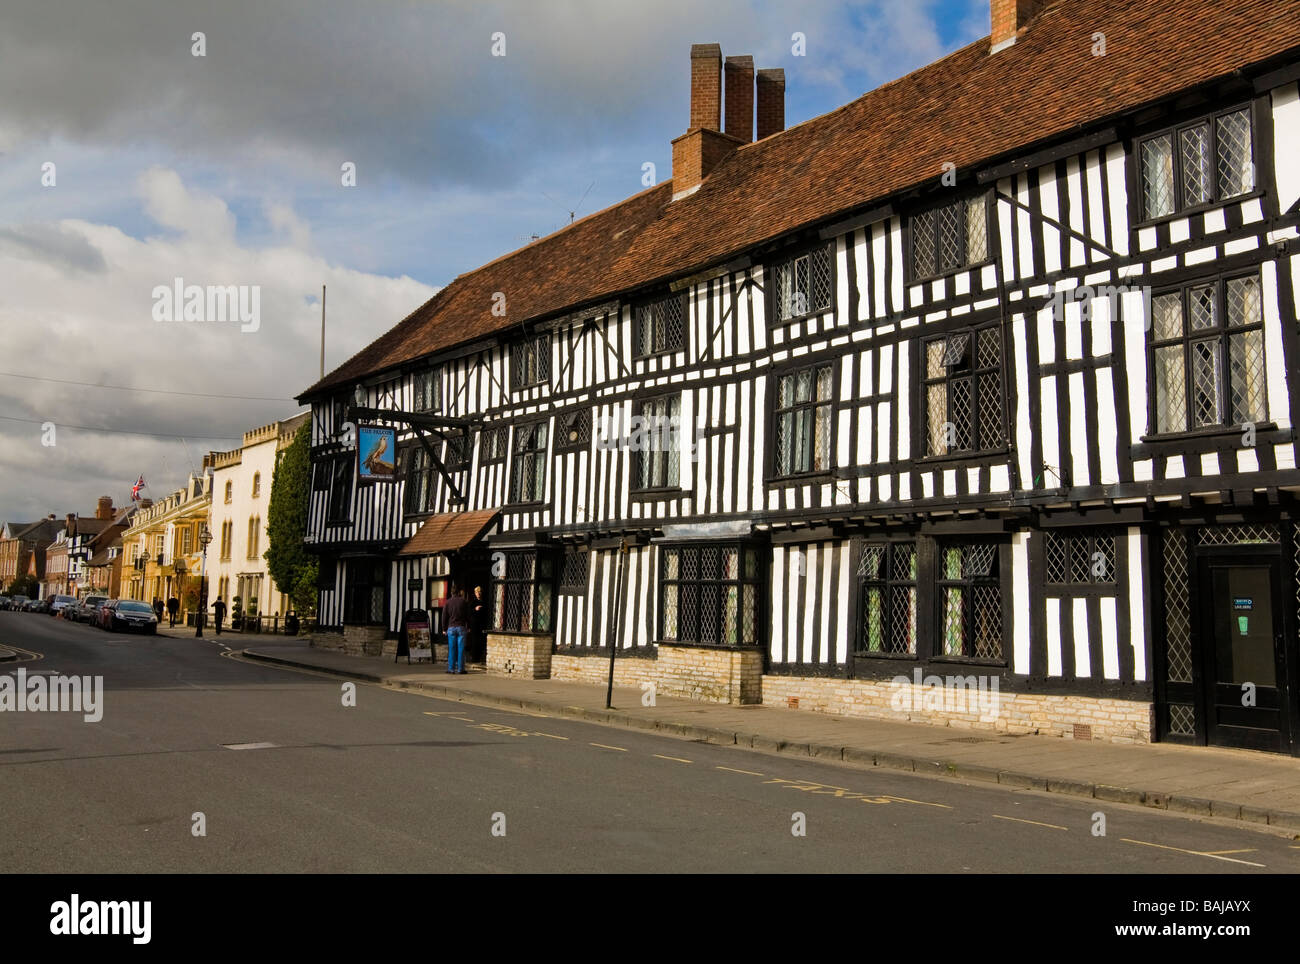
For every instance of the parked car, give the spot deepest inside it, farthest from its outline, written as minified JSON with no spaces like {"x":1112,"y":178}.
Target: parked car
{"x":84,"y":611}
{"x":36,"y":606}
{"x":16,"y":603}
{"x":59,"y":603}
{"x":4,"y":602}
{"x":128,"y":614}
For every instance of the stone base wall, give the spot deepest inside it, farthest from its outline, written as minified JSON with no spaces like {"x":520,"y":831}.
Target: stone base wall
{"x":330,"y":641}
{"x":710,"y":675}
{"x":528,"y":657}
{"x":364,"y":640}
{"x":1068,"y":716}
{"x":628,"y":670}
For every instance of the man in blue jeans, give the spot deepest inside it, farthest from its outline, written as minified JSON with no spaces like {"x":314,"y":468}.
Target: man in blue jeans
{"x":456,"y":614}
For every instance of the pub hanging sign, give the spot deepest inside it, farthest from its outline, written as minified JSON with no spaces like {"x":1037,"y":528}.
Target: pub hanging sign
{"x":376,"y":453}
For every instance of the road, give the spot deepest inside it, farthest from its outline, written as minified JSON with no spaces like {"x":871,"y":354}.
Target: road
{"x":404,"y":782}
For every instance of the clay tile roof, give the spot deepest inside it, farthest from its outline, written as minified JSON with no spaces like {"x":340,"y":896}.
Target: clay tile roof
{"x":448,"y":532}
{"x":968,"y":108}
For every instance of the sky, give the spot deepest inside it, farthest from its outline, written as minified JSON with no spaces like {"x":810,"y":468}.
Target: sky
{"x":378,"y":148}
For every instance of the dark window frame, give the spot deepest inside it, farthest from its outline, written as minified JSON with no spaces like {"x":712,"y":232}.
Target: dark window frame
{"x":565,"y":423}
{"x":926,"y":221}
{"x":1174,"y":132}
{"x":643,"y":316}
{"x":663,"y":463}
{"x":575,"y":571}
{"x":887,"y":580}
{"x":1077,"y":548}
{"x":536,"y":455}
{"x":525,"y":592}
{"x":500,"y":444}
{"x":968,"y":584}
{"x":983,"y":373}
{"x":359,"y":602}
{"x":426,"y":390}
{"x":530,"y":361}
{"x":684,"y":591}
{"x":1221,"y":334}
{"x":342,"y":477}
{"x":419,"y":476}
{"x":809,"y":408}
{"x":779,"y":309}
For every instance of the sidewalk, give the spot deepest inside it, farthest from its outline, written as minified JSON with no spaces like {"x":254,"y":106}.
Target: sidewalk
{"x":1207,"y":781}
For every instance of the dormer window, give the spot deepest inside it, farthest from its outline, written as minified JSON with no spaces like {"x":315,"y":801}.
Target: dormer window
{"x":1198,"y":163}
{"x":950,"y":236}
{"x":802,"y":285}
{"x":661,"y":325}
{"x":530,"y":361}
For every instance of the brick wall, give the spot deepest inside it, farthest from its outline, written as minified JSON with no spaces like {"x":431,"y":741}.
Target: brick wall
{"x":628,"y":670}
{"x":710,"y":675}
{"x":528,"y":657}
{"x":1111,"y":720}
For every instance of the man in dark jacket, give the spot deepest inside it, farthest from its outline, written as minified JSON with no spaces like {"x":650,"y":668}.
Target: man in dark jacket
{"x":456,"y":614}
{"x":158,"y":608}
{"x":173,"y":607}
{"x":219,"y":613}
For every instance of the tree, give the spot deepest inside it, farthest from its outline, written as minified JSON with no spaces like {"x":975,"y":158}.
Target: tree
{"x":292,"y":568}
{"x":23,"y":586}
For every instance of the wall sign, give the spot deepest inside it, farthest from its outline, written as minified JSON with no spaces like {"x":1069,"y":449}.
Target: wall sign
{"x":1243,"y":602}
{"x":376,"y":453}
{"x":414,"y":585}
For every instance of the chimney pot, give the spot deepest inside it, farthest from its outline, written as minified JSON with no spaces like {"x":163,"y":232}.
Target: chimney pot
{"x":770,"y":88}
{"x":739,"y":73}
{"x":706,"y":86}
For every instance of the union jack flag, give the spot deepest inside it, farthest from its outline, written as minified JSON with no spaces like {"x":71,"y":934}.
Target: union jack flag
{"x":135,"y":490}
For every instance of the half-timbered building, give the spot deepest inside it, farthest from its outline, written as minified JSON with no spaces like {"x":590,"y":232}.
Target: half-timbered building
{"x":989,"y":375}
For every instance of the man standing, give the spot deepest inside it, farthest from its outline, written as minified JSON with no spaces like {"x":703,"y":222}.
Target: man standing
{"x":456,"y":613}
{"x":158,"y":608}
{"x":173,"y":607}
{"x":219,"y":613}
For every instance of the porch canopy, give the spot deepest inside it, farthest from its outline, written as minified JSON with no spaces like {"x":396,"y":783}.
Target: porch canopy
{"x":448,"y":532}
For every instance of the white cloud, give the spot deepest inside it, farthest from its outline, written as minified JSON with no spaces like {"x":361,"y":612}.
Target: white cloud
{"x":77,"y":307}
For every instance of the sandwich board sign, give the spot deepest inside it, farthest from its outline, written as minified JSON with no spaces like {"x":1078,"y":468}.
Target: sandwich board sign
{"x":416,"y":638}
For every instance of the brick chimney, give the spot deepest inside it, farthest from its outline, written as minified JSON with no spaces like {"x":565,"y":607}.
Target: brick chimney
{"x":739,"y":72}
{"x":703,"y":145}
{"x":706,"y":86}
{"x":771,"y":102}
{"x":104,"y":510}
{"x":1009,"y":18}
{"x":70,"y":523}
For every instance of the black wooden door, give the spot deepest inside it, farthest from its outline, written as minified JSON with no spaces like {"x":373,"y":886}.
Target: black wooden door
{"x":1242,"y":653}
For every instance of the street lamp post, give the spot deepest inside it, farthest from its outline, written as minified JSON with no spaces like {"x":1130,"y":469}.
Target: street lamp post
{"x":204,"y":538}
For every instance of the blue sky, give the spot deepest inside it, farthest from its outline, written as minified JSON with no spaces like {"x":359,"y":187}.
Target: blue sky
{"x":226,"y":168}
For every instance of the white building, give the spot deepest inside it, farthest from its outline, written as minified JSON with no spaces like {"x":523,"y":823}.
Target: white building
{"x":241,"y":497}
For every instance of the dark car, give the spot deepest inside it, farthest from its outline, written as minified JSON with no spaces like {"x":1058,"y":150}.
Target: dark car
{"x":4,"y":602}
{"x":36,"y":606}
{"x":128,"y":614}
{"x":86,"y":610}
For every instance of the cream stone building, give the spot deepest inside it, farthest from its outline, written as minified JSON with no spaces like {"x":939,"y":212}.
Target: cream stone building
{"x":241,"y":487}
